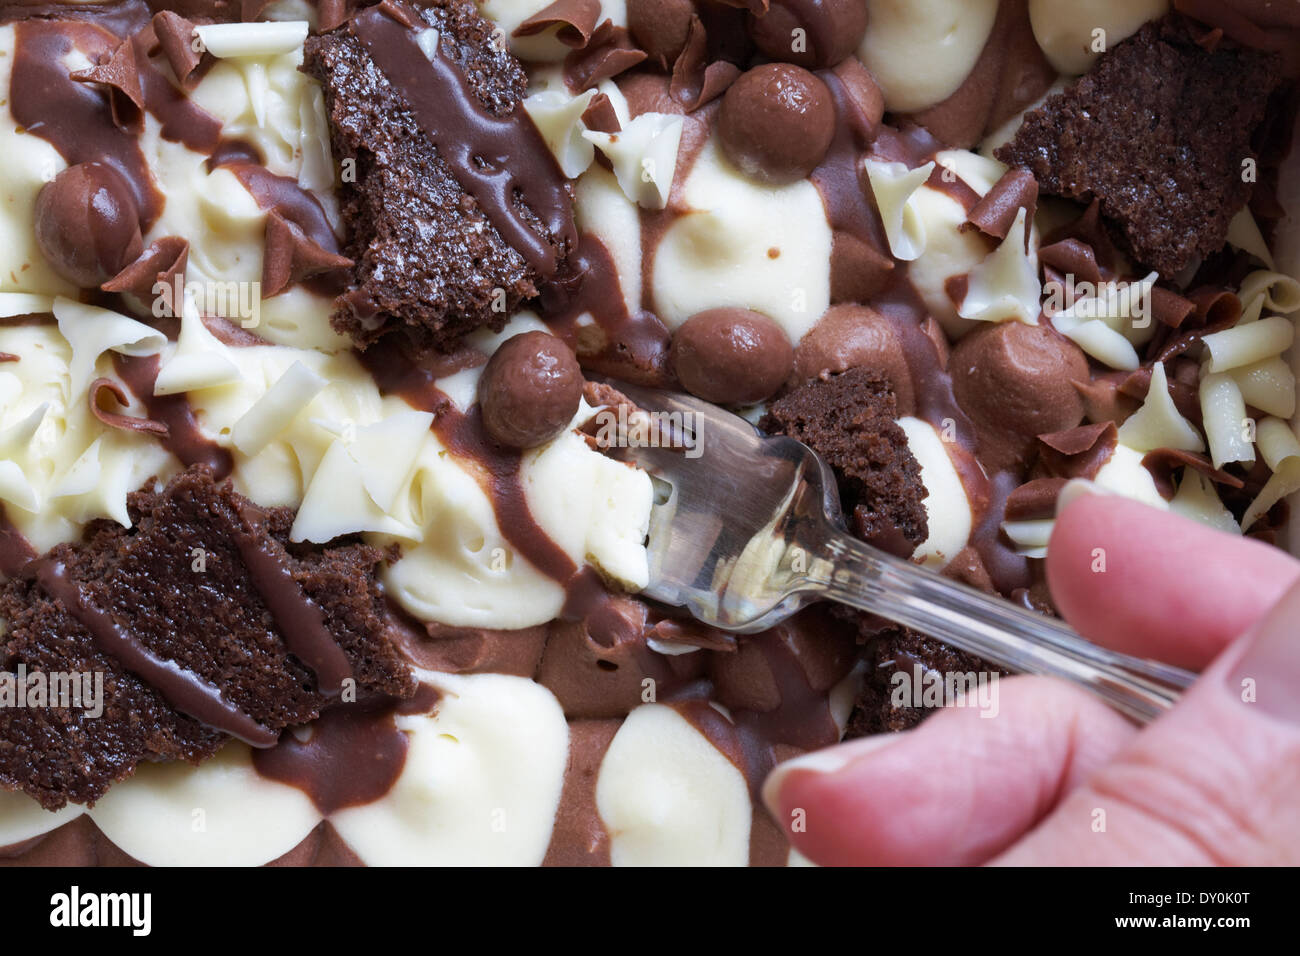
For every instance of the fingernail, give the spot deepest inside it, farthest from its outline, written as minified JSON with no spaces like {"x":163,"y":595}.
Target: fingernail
{"x":1077,"y":488}
{"x":822,"y":763}
{"x":1269,"y":671}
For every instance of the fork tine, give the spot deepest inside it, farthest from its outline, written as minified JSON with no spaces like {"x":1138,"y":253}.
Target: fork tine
{"x":723,"y":431}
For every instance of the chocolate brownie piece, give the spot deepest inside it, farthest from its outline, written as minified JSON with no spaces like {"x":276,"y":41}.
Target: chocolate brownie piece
{"x":1158,"y":131}
{"x":203,"y":595}
{"x":849,"y":419}
{"x":437,"y":256}
{"x":880,"y":706}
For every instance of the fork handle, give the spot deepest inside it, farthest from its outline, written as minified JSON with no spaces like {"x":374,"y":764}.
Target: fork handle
{"x":1019,"y":640}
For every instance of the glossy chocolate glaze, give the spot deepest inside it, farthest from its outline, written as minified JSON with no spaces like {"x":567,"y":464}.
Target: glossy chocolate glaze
{"x":184,"y":690}
{"x":298,"y":618}
{"x":352,"y":754}
{"x":184,"y":438}
{"x":492,"y":157}
{"x":15,"y":550}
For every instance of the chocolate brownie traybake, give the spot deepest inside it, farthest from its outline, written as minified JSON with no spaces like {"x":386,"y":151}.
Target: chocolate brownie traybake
{"x":308,"y":310}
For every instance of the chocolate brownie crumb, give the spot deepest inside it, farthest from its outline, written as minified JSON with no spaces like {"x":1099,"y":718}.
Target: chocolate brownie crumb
{"x":879,"y":707}
{"x":430,"y":258}
{"x":849,"y":419}
{"x":1158,"y":131}
{"x":177,"y":585}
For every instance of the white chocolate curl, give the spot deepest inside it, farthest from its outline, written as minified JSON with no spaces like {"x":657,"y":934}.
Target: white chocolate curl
{"x":893,"y":185}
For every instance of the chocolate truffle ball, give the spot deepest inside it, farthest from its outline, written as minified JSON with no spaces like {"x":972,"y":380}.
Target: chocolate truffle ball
{"x":831,"y":31}
{"x":529,"y":390}
{"x":1016,"y":382}
{"x":660,"y":27}
{"x":854,"y":336}
{"x":776,"y":122}
{"x":731,"y":356}
{"x":88,"y":224}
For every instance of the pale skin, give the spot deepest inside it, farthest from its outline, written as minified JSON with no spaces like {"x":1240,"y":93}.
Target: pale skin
{"x":1216,"y":781}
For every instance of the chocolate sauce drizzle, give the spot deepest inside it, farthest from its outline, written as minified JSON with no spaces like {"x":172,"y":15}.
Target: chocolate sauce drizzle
{"x":352,"y":756}
{"x":494,"y":158}
{"x":298,"y":618}
{"x":183,"y":690}
{"x":281,"y":193}
{"x":636,"y":344}
{"x":15,"y":550}
{"x":462,"y":432}
{"x":184,"y":439}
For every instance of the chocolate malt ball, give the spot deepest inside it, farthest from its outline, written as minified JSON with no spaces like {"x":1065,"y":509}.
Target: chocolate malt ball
{"x":776,"y":122}
{"x":88,"y":224}
{"x":731,"y":356}
{"x":529,"y":390}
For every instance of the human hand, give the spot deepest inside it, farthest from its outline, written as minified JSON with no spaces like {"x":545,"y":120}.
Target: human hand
{"x":1215,"y":781}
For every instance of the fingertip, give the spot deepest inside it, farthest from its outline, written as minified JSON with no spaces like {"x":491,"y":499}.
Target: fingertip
{"x":956,"y":790}
{"x":1156,"y":584}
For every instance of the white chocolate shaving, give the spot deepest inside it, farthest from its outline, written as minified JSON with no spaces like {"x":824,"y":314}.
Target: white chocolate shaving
{"x":1281,"y":292}
{"x":1197,"y":499}
{"x":1030,"y":537}
{"x":1281,"y":451}
{"x":1244,"y":234}
{"x":386,"y":453}
{"x":337,"y":502}
{"x":1228,"y":428}
{"x":1099,"y":340}
{"x":1248,"y":344}
{"x":199,"y":362}
{"x":317,"y":172}
{"x":558,"y":117}
{"x":1158,"y":423}
{"x":1124,"y":474}
{"x":1108,"y":325}
{"x":59,"y":465}
{"x":15,"y":488}
{"x":225,"y":40}
{"x":643,"y":155}
{"x":92,"y":331}
{"x":1268,"y":385}
{"x":893,"y":185}
{"x":1277,"y":442}
{"x":1253,"y":310}
{"x":1005,"y":285}
{"x":275,"y":410}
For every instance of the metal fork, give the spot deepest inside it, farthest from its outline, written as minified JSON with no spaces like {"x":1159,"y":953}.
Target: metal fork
{"x":747,"y":529}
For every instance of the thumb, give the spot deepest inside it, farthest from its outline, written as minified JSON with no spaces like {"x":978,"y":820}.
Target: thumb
{"x":1214,"y":781}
